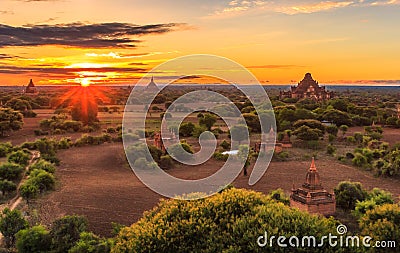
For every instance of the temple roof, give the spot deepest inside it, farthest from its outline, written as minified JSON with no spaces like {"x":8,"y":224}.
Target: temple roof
{"x":31,"y":84}
{"x":312,"y":176}
{"x":152,"y":85}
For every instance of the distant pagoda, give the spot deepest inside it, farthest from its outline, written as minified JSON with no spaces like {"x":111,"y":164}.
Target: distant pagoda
{"x":311,"y":196}
{"x":307,"y":88}
{"x":152,"y":86}
{"x":30,"y":89}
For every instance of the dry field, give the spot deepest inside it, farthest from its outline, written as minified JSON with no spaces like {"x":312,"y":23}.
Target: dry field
{"x":95,"y":181}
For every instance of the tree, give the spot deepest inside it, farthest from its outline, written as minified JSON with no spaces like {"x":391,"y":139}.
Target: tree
{"x":7,"y":186}
{"x":243,"y":155}
{"x":180,"y":151}
{"x":29,"y":190}
{"x":91,"y":243}
{"x":348,"y":193}
{"x":186,"y":129}
{"x":208,"y":120}
{"x":332,"y":129}
{"x":10,"y":171}
{"x":239,"y":133}
{"x":306,"y":133}
{"x":65,"y":232}
{"x":33,"y":240}
{"x":337,"y":117}
{"x":311,"y":123}
{"x":10,"y":120}
{"x":382,"y":223}
{"x":230,"y":221}
{"x":11,"y":221}
{"x":343,"y":129}
{"x":253,"y":122}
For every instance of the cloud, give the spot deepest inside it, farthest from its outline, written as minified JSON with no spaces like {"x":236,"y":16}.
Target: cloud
{"x":274,"y":66}
{"x":8,"y":56}
{"x":102,"y":35}
{"x":237,"y":7}
{"x":8,"y":69}
{"x":115,"y":55}
{"x":6,"y":12}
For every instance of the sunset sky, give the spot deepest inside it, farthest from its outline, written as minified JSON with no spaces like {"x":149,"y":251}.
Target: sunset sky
{"x":116,"y":42}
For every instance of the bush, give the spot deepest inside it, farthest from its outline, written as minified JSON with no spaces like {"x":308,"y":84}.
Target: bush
{"x":180,"y":151}
{"x":5,"y":148}
{"x":165,"y":162}
{"x":11,"y":171}
{"x":330,"y":149}
{"x":29,"y":190}
{"x":91,"y":243}
{"x":225,"y":145}
{"x":65,"y":232}
{"x":19,"y":157}
{"x":44,"y":180}
{"x":220,"y":157}
{"x":7,"y":187}
{"x":44,"y":165}
{"x":35,"y":239}
{"x":11,"y":221}
{"x":348,"y":193}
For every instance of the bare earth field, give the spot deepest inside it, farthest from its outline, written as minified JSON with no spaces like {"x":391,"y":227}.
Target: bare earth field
{"x":96,"y":181}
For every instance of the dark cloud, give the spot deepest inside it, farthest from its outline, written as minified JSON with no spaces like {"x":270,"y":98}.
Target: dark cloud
{"x":8,"y":56}
{"x":65,"y":71}
{"x":102,"y":35}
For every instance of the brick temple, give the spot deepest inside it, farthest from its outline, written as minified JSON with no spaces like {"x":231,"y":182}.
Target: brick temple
{"x":30,"y":89}
{"x":307,"y":88}
{"x":311,"y":196}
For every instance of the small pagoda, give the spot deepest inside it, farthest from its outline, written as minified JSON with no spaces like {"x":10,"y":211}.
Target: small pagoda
{"x":307,"y":88}
{"x":30,"y":89}
{"x":311,"y":196}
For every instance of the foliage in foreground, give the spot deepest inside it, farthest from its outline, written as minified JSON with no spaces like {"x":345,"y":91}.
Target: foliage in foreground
{"x":227,"y":222}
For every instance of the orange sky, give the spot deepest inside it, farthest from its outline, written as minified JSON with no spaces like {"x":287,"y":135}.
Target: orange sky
{"x":116,"y":42}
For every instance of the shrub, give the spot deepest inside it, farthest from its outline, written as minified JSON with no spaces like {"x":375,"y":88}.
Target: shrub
{"x":220,"y":157}
{"x":10,"y":171}
{"x":5,"y":148}
{"x":65,"y":232}
{"x":44,"y":165}
{"x":225,"y":145}
{"x":165,"y":162}
{"x":11,"y":221}
{"x":330,"y":149}
{"x":91,"y":243}
{"x":19,"y":157}
{"x":35,"y":239}
{"x":348,"y":193}
{"x":44,"y":180}
{"x":29,"y":190}
{"x":180,"y":151}
{"x":7,"y":186}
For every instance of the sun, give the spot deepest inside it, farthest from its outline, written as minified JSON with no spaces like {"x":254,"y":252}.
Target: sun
{"x":85,"y":82}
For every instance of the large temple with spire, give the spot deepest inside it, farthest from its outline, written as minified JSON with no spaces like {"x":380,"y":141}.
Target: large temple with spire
{"x":307,"y":88}
{"x":311,"y":196}
{"x":30,"y":89}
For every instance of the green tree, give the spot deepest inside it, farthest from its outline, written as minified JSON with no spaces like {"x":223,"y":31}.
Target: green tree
{"x":33,"y":240}
{"x":19,"y":157}
{"x":11,"y":221}
{"x":208,"y":120}
{"x":306,"y":133}
{"x":180,"y":151}
{"x":10,"y":171}
{"x":348,"y":193}
{"x":230,"y":221}
{"x":186,"y":129}
{"x":91,"y":243}
{"x":65,"y":232}
{"x":10,"y":120}
{"x":239,"y":133}
{"x":7,"y":186}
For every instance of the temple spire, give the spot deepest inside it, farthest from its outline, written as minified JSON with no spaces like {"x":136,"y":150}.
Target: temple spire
{"x":312,"y":166}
